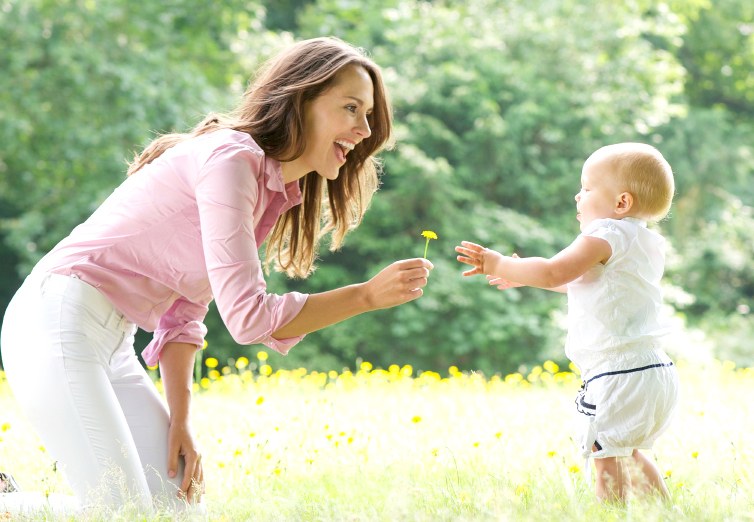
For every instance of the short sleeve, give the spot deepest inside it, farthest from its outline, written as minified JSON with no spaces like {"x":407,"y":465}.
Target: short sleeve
{"x":606,"y":230}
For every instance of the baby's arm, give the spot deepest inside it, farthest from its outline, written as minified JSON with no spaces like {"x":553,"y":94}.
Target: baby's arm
{"x":503,"y":284}
{"x":554,"y":273}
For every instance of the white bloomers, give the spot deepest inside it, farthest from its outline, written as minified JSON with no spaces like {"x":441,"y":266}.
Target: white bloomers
{"x":627,"y":405}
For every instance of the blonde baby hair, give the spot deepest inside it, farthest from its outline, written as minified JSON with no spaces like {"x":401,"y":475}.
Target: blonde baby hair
{"x":642,"y":171}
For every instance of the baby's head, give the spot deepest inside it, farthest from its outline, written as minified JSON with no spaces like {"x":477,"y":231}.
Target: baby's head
{"x":625,"y":180}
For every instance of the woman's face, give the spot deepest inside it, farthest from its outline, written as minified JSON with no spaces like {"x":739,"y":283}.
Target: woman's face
{"x":336,"y":121}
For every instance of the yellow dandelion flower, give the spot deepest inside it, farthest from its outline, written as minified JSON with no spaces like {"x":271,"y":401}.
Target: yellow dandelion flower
{"x":551,"y":367}
{"x":220,"y":464}
{"x":498,"y":434}
{"x":350,"y":440}
{"x":551,"y":454}
{"x":268,"y":456}
{"x":416,"y":419}
{"x":310,"y":461}
{"x":242,"y":363}
{"x":453,"y":370}
{"x":1,"y":439}
{"x":226,"y":370}
{"x":265,"y":370}
{"x":329,"y":437}
{"x":434,"y":452}
{"x":694,"y":454}
{"x":211,"y":362}
{"x":260,"y":400}
{"x":252,"y":434}
{"x":669,"y":473}
{"x":214,"y":375}
{"x":238,"y":452}
{"x":42,"y":449}
{"x":476,"y":444}
{"x":680,"y":485}
{"x":367,"y":367}
{"x":332,"y":374}
{"x":337,"y":442}
{"x":204,"y":383}
{"x":204,"y":345}
{"x":5,"y":426}
{"x":277,"y":472}
{"x":342,"y":433}
{"x":574,"y":469}
{"x":262,"y":356}
{"x":429,"y":235}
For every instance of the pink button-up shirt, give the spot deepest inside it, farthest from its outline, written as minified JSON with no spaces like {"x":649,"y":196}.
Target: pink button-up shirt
{"x":182,"y":230}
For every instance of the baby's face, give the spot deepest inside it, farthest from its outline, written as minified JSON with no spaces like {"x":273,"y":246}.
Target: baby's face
{"x":599,"y":194}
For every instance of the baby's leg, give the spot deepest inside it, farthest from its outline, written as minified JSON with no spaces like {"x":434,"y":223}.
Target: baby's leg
{"x":649,"y":479}
{"x":612,"y":481}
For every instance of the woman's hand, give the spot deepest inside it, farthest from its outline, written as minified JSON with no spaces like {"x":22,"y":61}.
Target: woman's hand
{"x":482,"y":259}
{"x":398,"y":283}
{"x":182,"y":442}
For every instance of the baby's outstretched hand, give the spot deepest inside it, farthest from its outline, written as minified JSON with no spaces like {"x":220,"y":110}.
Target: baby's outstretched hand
{"x":503,"y":284}
{"x":482,"y":259}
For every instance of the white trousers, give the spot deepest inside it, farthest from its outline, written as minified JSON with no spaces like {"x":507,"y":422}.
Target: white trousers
{"x":69,"y":358}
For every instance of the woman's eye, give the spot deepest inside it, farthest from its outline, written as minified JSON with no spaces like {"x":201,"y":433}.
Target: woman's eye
{"x":351,"y":108}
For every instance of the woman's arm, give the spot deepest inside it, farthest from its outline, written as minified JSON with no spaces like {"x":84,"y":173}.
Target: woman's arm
{"x":569,"y":264}
{"x":177,"y":370}
{"x":397,"y":284}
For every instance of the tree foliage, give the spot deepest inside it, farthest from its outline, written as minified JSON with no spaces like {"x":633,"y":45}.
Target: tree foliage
{"x":497,"y":105}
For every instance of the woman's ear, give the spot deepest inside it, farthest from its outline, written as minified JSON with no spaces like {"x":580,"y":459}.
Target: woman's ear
{"x":624,"y":203}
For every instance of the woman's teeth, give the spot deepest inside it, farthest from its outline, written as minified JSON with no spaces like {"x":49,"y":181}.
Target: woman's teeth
{"x":347,"y":146}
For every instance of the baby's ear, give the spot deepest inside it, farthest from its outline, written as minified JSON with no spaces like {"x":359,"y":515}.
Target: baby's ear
{"x":624,"y":203}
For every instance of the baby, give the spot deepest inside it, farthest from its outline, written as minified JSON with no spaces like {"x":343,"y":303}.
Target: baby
{"x":611,"y":273}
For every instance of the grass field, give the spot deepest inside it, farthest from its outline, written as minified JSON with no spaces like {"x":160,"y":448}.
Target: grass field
{"x":386,"y":445}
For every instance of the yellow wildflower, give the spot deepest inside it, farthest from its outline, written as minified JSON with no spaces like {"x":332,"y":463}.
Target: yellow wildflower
{"x":367,"y":367}
{"x":260,"y":400}
{"x":498,"y":434}
{"x":42,"y":449}
{"x":669,"y":473}
{"x":5,"y":426}
{"x":476,"y":444}
{"x":204,"y":345}
{"x":242,"y":363}
{"x":265,"y":370}
{"x":429,"y":235}
{"x":694,"y":454}
{"x":574,"y":469}
{"x":416,"y":419}
{"x":211,"y":362}
{"x":262,"y":356}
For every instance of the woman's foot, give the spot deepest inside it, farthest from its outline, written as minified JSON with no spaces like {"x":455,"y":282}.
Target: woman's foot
{"x":7,"y":484}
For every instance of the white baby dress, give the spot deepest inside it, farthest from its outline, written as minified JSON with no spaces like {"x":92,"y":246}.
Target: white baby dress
{"x":615,"y":325}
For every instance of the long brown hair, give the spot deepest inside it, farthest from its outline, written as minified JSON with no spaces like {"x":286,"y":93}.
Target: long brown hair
{"x":272,"y":112}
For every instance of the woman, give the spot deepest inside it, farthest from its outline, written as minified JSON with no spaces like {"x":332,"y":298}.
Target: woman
{"x":184,"y":228}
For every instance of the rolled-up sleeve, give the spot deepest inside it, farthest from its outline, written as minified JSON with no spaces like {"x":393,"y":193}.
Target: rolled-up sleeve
{"x":227,"y":193}
{"x":182,"y":323}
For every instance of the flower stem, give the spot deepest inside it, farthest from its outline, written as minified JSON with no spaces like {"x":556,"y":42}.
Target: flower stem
{"x":425,"y":249}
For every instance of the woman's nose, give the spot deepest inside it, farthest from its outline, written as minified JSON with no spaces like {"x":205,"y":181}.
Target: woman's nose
{"x":363,"y":129}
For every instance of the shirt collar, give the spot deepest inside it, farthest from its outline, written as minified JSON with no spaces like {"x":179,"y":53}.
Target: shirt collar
{"x":636,"y":221}
{"x":291,"y":192}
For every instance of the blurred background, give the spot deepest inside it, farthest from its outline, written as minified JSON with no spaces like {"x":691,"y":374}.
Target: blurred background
{"x":497,"y":105}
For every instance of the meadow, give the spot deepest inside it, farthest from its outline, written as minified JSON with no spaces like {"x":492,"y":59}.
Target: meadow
{"x":390,"y":445}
